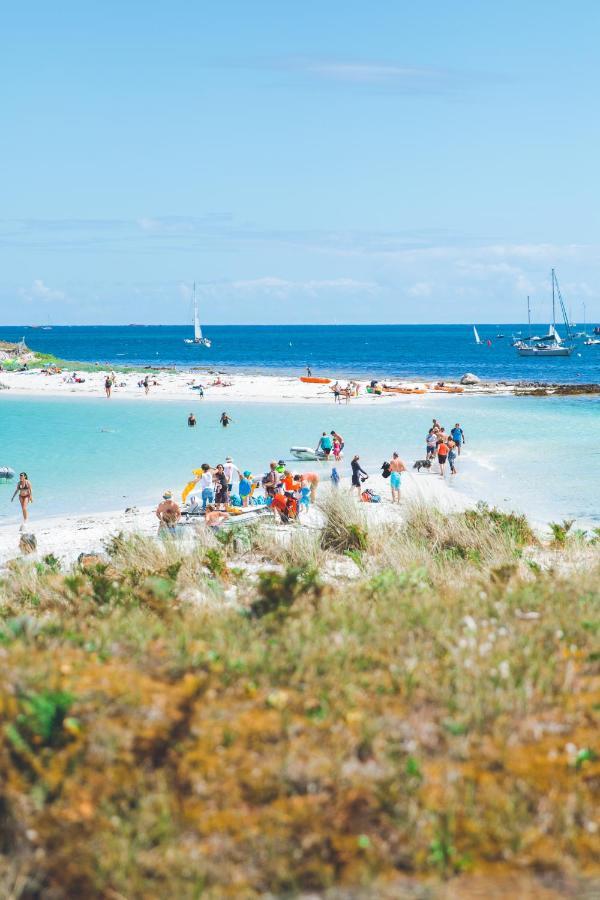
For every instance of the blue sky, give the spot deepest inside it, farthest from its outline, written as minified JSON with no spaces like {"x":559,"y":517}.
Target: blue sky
{"x":310,"y":162}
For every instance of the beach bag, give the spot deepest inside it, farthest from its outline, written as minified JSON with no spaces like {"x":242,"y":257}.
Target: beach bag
{"x":370,"y":496}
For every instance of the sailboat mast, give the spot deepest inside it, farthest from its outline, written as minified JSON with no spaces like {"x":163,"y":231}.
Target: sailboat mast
{"x":528,"y":315}
{"x":553,"y":302}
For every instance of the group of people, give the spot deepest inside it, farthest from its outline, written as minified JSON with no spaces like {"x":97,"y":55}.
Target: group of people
{"x":215,"y":488}
{"x":445,"y":446}
{"x":225,"y":420}
{"x":330,"y":444}
{"x":350,"y":390}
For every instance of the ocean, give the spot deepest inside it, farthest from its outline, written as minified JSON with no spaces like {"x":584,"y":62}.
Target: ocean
{"x":538,"y":455}
{"x":412,"y":351}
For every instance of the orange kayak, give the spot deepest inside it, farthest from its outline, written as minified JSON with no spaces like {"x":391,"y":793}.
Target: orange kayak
{"x":308,"y":380}
{"x":401,"y":390}
{"x":450,"y":390}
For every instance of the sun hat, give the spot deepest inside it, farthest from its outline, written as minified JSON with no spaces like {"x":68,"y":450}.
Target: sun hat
{"x":167,"y":495}
{"x":228,"y":459}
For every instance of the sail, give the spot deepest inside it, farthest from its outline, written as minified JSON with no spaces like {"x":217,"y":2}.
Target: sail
{"x":197,"y":329}
{"x":477,"y":338}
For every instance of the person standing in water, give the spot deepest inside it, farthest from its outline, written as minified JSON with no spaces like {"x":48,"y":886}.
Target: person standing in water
{"x":225,"y":419}
{"x":396,"y":468}
{"x":191,"y":420}
{"x":325,"y":445}
{"x":458,"y":436}
{"x":108,"y":385}
{"x":25,"y":492}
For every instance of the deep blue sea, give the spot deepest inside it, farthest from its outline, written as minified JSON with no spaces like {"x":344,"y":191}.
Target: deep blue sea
{"x":421,"y":351}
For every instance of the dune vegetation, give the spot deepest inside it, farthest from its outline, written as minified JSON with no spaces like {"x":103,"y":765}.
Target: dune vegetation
{"x":353,"y":711}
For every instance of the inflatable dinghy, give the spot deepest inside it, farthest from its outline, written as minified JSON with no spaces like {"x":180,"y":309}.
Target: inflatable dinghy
{"x":7,"y":473}
{"x":307,"y":454}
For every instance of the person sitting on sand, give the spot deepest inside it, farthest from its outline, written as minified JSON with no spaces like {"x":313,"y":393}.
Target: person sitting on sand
{"x":25,"y":492}
{"x":214,"y":517}
{"x":168,"y":513}
{"x":396,"y":468}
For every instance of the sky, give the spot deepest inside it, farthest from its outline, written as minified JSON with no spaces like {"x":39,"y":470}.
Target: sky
{"x":302,"y":162}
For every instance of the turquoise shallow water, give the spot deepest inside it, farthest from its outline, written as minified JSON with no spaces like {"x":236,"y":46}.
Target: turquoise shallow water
{"x":539,"y":455}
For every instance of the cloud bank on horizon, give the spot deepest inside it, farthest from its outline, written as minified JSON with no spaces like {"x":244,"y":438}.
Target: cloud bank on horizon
{"x":292,"y":176}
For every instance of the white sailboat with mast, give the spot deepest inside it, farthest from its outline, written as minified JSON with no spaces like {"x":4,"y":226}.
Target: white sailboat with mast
{"x":550,"y":344}
{"x":198,"y":338}
{"x":476,"y":336}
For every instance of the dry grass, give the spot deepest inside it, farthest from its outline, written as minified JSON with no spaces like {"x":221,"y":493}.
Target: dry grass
{"x":436,"y":718}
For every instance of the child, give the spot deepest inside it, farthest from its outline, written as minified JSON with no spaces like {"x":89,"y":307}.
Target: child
{"x":337,"y":449}
{"x":335,"y":478}
{"x":245,"y":488}
{"x":305,"y":498}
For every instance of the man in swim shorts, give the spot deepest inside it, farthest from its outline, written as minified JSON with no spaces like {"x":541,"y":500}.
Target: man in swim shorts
{"x":458,"y":436}
{"x":396,"y":468}
{"x":325,"y":444}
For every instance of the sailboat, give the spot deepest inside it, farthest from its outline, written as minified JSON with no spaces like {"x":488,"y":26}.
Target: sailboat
{"x":198,"y":340}
{"x":582,"y":334}
{"x":476,"y":334}
{"x":550,"y":344}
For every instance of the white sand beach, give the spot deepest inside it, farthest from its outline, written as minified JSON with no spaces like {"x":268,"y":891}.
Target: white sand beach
{"x":219,"y":387}
{"x":67,"y":536}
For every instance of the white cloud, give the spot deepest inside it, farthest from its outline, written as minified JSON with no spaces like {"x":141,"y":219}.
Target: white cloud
{"x":41,"y":291}
{"x":420,"y":289}
{"x":282,"y":288}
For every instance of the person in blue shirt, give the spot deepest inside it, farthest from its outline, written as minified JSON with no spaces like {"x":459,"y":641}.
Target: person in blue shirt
{"x":325,"y":444}
{"x":458,"y":436}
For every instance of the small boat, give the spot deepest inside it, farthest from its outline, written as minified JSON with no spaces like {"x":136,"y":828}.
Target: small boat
{"x":449,"y":389}
{"x":6,"y":473}
{"x":390,"y":389}
{"x":308,"y":379}
{"x":476,"y":336}
{"x":308,"y":454}
{"x":198,"y":340}
{"x":592,"y":341}
{"x":499,"y":337}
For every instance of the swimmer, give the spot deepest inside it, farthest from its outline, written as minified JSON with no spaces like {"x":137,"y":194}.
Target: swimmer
{"x":225,"y":419}
{"x":191,"y":420}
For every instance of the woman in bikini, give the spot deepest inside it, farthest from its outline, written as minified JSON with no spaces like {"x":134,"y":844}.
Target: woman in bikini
{"x":23,"y":489}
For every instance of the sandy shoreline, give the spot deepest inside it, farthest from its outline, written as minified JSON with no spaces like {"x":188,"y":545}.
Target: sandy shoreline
{"x":66,"y":536}
{"x":245,"y":388}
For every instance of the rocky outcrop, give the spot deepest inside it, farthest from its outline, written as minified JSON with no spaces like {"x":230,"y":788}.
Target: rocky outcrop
{"x":469,"y":378}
